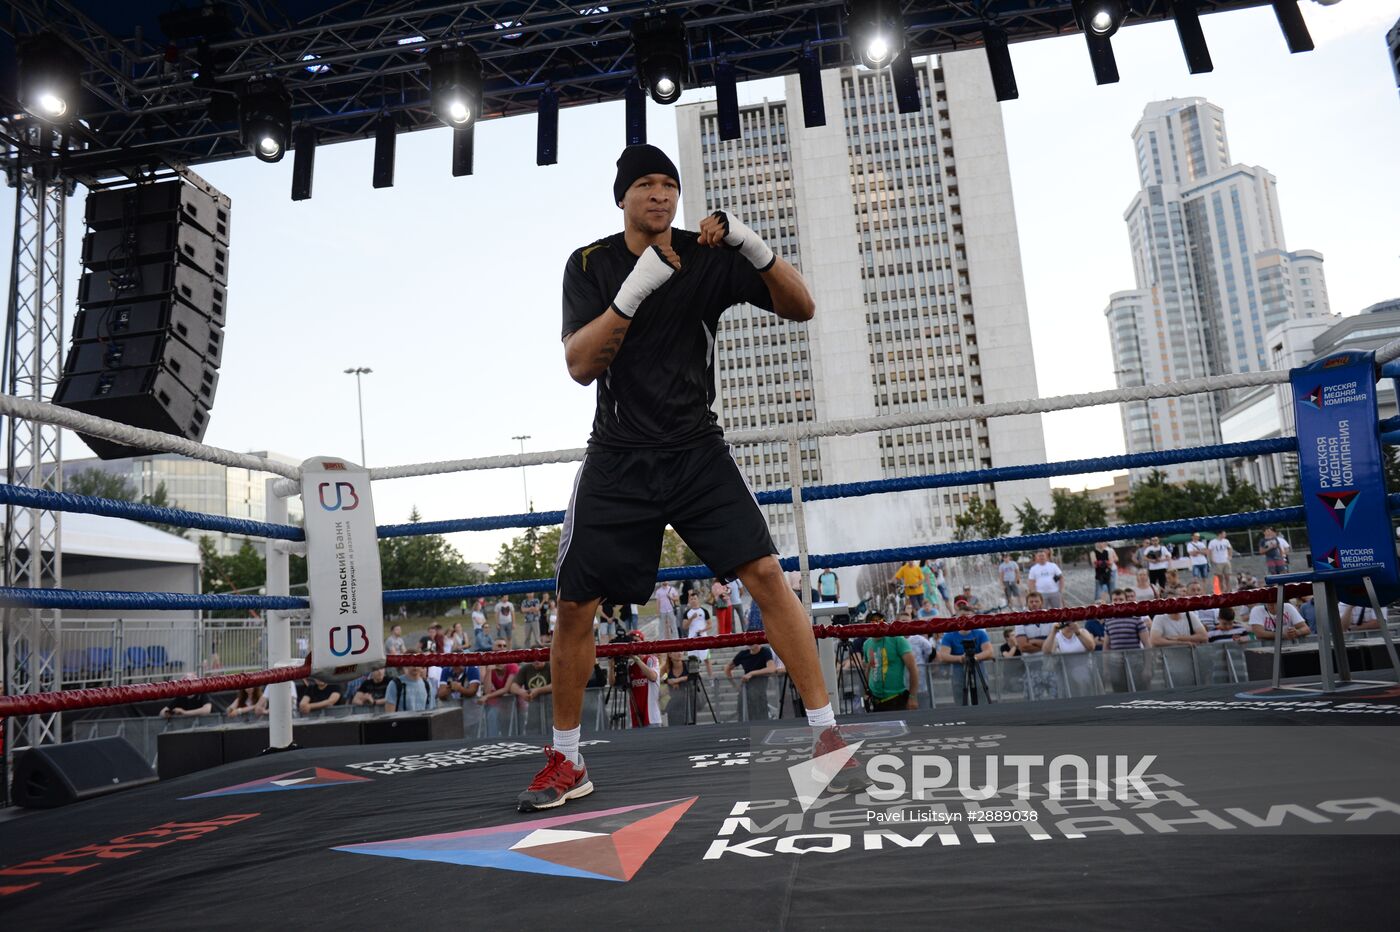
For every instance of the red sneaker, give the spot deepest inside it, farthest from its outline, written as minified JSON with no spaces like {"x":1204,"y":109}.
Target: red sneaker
{"x":559,"y":782}
{"x":851,"y":777}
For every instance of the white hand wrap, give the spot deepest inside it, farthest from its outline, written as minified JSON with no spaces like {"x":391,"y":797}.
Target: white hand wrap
{"x":650,"y":273}
{"x":738,"y":236}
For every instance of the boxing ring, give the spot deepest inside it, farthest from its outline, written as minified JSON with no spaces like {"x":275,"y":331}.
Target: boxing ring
{"x":683,"y":811}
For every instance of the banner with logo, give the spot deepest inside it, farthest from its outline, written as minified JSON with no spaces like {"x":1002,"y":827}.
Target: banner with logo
{"x":342,"y":561}
{"x":1340,"y":472}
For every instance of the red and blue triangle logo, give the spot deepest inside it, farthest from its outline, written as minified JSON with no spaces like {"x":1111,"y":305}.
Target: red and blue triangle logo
{"x":1339,"y":504}
{"x":1313,"y":398}
{"x":312,"y":778}
{"x":1332,"y":559}
{"x":608,"y":845}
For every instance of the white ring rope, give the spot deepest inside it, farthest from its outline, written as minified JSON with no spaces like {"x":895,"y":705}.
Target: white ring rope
{"x":10,"y":406}
{"x":290,"y":483}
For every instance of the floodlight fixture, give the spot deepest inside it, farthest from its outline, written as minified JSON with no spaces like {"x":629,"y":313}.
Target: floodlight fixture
{"x":663,"y":57}
{"x":265,"y":118}
{"x":50,"y":78}
{"x":454,"y":73}
{"x":875,"y":31}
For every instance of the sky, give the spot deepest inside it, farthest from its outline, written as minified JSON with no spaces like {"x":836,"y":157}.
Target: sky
{"x":448,"y":288}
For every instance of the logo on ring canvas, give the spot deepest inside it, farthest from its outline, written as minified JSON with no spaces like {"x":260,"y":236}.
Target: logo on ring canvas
{"x":340,"y":489}
{"x":1313,"y":398}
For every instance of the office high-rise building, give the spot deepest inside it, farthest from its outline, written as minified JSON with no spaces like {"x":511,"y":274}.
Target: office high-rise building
{"x":1213,"y":277}
{"x":903,"y":226}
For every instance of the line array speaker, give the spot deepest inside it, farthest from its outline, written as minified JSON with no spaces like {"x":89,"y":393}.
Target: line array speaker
{"x":148,"y":339}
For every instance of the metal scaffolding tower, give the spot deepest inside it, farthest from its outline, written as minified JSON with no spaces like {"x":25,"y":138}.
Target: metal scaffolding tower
{"x":33,"y":552}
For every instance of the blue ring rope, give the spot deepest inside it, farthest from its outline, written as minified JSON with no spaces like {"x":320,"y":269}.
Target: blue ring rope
{"x":78,"y":599}
{"x":26,"y":497}
{"x":902,"y":484}
{"x":138,"y":511}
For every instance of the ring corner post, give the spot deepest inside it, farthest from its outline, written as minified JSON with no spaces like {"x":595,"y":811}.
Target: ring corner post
{"x":279,"y":628}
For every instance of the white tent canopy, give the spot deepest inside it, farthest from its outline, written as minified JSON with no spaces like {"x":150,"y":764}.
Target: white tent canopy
{"x":121,"y":539}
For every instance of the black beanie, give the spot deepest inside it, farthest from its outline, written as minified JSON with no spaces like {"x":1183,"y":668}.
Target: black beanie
{"x":636,"y":161}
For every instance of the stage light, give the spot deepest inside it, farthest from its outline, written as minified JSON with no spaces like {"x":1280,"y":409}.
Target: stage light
{"x":727,"y":101}
{"x":809,"y":76}
{"x":999,"y":63}
{"x":1193,"y":40}
{"x":658,"y":41}
{"x":1295,"y":31}
{"x":455,"y":79}
{"x":50,"y":78}
{"x":303,"y":162}
{"x":265,"y":118}
{"x":1100,"y":17}
{"x":875,"y":31}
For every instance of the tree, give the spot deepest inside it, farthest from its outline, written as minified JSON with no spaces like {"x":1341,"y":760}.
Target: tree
{"x":1076,"y":510}
{"x":161,"y":499}
{"x":529,"y":555}
{"x":1288,"y":493}
{"x":1241,"y":495}
{"x":245,"y":571}
{"x":982,"y":520}
{"x":675,"y":552}
{"x":426,"y":561}
{"x":1031,"y":518}
{"x":99,"y":484}
{"x":1157,"y":499}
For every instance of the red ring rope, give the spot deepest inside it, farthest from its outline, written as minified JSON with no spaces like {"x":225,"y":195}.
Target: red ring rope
{"x":68,"y":699}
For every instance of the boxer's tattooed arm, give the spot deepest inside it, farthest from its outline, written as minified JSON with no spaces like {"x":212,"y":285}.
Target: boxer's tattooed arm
{"x":608,"y":351}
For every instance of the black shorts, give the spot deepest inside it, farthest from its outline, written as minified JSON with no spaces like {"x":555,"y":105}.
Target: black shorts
{"x":621,"y":504}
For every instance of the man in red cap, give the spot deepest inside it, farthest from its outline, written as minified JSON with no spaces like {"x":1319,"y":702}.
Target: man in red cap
{"x":641,"y":309}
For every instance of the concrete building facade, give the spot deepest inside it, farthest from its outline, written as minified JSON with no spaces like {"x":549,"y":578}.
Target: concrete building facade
{"x":903,"y":226}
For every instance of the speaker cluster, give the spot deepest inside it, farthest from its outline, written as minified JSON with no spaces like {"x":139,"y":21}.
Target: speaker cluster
{"x":148,"y":338}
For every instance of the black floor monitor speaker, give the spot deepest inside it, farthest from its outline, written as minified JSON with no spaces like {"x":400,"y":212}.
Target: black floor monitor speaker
{"x":148,"y":340}
{"x":58,"y":774}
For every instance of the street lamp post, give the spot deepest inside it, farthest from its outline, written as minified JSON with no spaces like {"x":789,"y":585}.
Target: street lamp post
{"x":360,"y":401}
{"x":523,"y":481}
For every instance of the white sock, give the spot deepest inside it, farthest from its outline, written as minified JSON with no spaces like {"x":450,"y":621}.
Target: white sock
{"x":818,"y":718}
{"x":566,"y":743}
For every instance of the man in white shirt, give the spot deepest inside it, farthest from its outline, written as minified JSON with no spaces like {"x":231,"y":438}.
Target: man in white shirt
{"x":1046,"y":578}
{"x":1031,"y":638}
{"x":1221,"y":553}
{"x":1178,"y":629}
{"x":697,"y":622}
{"x":1198,"y":550}
{"x":1264,"y":625}
{"x":1159,"y":560}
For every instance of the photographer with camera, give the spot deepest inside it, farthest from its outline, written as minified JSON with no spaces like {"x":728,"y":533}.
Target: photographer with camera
{"x":967,"y":649}
{"x":636,"y":678}
{"x":892,"y":675}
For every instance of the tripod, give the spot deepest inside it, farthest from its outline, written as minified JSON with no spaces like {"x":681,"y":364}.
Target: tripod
{"x":973,"y":675}
{"x":618,"y":699}
{"x":850,"y":674}
{"x":697,"y":689}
